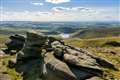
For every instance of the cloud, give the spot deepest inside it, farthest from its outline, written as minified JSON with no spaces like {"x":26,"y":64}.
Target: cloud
{"x":63,"y":14}
{"x":25,"y":16}
{"x":37,"y":3}
{"x":71,"y":9}
{"x":43,"y":13}
{"x":79,"y":8}
{"x":57,"y":1}
{"x":59,"y":9}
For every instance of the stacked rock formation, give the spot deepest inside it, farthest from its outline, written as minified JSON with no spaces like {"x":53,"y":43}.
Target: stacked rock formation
{"x":15,"y":44}
{"x":47,"y":58}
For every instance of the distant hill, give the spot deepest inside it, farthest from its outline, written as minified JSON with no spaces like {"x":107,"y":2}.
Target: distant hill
{"x":97,"y":32}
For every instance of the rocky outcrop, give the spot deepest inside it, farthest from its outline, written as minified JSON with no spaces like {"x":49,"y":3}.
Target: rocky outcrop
{"x":48,"y":58}
{"x":15,"y":44}
{"x":112,"y":43}
{"x":1,"y":53}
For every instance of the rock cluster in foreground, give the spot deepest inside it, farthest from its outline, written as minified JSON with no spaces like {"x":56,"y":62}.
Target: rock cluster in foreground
{"x":42,"y":57}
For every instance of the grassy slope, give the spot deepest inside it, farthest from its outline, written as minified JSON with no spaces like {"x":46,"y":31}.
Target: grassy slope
{"x":94,"y":42}
{"x":3,"y":39}
{"x":4,"y":61}
{"x":98,"y":32}
{"x":12,"y":31}
{"x":5,"y":70}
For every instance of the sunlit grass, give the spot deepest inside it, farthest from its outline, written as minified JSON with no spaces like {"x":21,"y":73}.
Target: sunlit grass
{"x":6,"y":70}
{"x":3,"y":39}
{"x":95,"y":42}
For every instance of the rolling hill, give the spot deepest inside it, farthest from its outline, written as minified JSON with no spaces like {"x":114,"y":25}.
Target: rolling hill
{"x":97,"y":32}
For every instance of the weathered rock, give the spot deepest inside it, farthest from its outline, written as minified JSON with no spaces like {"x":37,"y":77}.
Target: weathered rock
{"x":31,"y":58}
{"x":79,"y":57}
{"x":113,"y":43}
{"x":11,"y":63}
{"x":1,"y":53}
{"x":33,"y":45}
{"x":47,"y":58}
{"x":95,"y":78}
{"x":34,"y":39}
{"x":64,"y":72}
{"x":15,"y":44}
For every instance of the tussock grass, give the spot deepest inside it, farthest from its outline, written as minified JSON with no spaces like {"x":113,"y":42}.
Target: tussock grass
{"x":6,"y":70}
{"x":94,"y":42}
{"x":3,"y":39}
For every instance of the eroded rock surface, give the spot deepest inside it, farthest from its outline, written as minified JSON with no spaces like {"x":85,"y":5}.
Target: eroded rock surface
{"x":47,"y":58}
{"x":15,"y":44}
{"x":1,"y":53}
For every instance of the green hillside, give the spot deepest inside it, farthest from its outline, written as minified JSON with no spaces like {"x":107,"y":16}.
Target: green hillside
{"x":97,"y":32}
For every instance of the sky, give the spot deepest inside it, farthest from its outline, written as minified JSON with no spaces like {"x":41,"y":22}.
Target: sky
{"x":59,"y":10}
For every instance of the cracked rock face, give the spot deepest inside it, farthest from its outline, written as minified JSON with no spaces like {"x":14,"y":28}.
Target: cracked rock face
{"x":47,"y":58}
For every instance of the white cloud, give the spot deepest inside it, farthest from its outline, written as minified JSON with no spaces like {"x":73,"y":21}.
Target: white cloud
{"x":73,"y":9}
{"x":25,"y":16}
{"x":59,"y":9}
{"x":57,"y":1}
{"x":63,"y":14}
{"x":37,"y":3}
{"x":76,"y":10}
{"x":79,"y":8}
